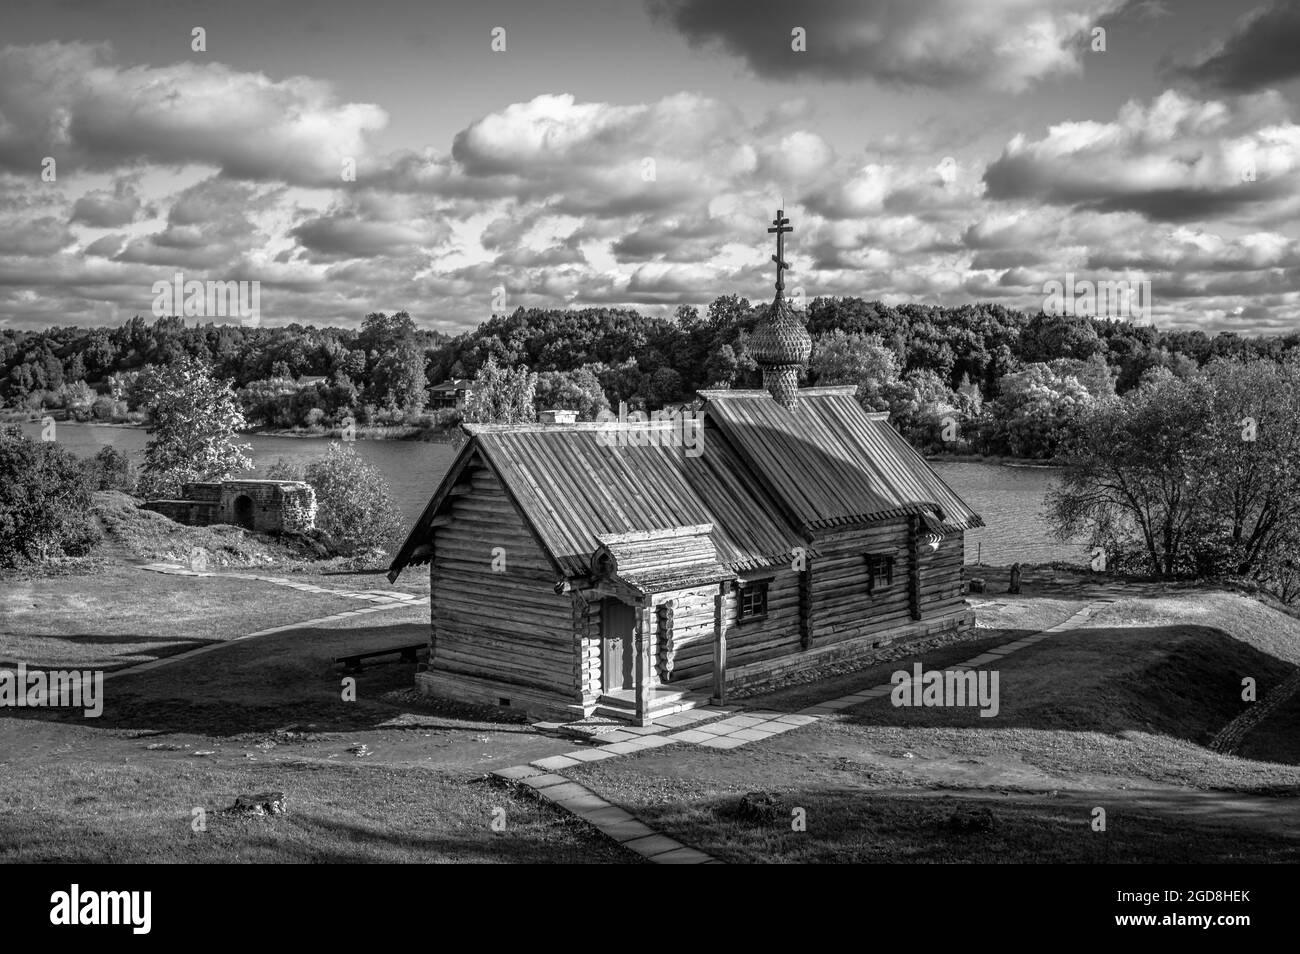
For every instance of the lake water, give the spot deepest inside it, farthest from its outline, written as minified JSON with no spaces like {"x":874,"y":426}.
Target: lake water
{"x":1008,"y":497}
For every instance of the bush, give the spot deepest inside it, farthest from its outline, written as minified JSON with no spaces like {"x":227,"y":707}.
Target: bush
{"x":45,"y":500}
{"x":110,"y":469}
{"x":352,"y":502}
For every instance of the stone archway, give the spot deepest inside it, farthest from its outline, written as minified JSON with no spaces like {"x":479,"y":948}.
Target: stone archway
{"x":242,"y":511}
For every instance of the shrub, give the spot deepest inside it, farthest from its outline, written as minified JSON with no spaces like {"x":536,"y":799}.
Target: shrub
{"x":45,"y":500}
{"x":110,"y":469}
{"x":352,"y":501}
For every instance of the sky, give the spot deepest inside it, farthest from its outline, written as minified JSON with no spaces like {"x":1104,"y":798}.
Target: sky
{"x":460,"y":160}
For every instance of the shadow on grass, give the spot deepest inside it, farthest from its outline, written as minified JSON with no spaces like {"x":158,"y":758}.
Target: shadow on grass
{"x":1180,"y":681}
{"x":848,"y":826}
{"x":273,"y":682}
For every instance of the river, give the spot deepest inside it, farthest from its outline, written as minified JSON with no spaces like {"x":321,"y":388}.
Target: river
{"x":1008,"y":497}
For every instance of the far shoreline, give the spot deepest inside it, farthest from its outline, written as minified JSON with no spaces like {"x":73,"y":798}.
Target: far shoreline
{"x":415,"y":434}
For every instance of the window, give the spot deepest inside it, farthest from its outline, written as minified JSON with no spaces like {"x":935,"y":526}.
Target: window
{"x":880,"y":572}
{"x":753,"y":600}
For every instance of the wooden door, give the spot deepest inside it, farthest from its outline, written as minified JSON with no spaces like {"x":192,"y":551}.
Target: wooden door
{"x":617,"y":623}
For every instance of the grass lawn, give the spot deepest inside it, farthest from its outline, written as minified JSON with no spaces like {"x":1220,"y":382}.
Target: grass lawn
{"x":386,"y":777}
{"x":124,"y":615}
{"x":1114,"y":715}
{"x":112,"y":813}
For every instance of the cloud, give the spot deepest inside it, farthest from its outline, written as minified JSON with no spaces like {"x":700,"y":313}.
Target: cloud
{"x":1178,"y":159}
{"x":71,"y":101}
{"x":1261,"y":50}
{"x":210,"y":225}
{"x":372,"y":224}
{"x":42,"y":236}
{"x":601,"y":159}
{"x":1000,"y":44}
{"x":108,"y":210}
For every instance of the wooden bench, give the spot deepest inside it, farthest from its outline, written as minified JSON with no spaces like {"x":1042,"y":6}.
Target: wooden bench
{"x":352,"y":663}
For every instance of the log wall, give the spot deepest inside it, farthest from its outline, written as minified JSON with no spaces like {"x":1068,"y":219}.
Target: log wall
{"x":842,"y":606}
{"x":498,"y":632}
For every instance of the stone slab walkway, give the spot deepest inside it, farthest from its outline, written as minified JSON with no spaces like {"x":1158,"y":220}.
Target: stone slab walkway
{"x":737,"y":727}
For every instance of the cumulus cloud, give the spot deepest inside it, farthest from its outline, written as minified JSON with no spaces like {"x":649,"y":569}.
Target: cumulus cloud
{"x":1001,"y":44}
{"x":108,"y":210}
{"x":42,"y":236}
{"x":372,"y":224}
{"x":1177,"y":159}
{"x":210,"y":225}
{"x":73,"y":102}
{"x":603,"y":159}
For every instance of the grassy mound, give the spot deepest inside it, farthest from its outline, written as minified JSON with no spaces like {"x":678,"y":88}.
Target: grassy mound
{"x":146,"y":535}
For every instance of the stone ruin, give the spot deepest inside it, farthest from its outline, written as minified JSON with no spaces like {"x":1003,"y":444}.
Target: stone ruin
{"x":265,"y":506}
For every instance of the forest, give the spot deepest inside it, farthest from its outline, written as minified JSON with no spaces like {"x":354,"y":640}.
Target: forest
{"x":975,"y":379}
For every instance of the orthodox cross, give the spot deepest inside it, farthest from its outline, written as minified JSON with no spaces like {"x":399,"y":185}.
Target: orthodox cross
{"x":781,"y":226}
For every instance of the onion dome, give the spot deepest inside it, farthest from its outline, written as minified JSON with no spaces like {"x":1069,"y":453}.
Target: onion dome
{"x":780,"y":337}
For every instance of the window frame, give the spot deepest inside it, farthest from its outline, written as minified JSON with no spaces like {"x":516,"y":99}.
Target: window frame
{"x":742,"y":591}
{"x":880,"y":571}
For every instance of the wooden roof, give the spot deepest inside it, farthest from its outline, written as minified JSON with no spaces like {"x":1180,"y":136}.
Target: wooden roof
{"x":661,"y":559}
{"x":767,"y":481}
{"x":830,"y":463}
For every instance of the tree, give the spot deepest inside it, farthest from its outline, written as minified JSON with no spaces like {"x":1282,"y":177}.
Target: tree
{"x":193,"y":421}
{"x":353,"y":505}
{"x":501,"y":396}
{"x":110,"y":469}
{"x":862,"y":360}
{"x":1037,"y":409}
{"x":45,"y":500}
{"x":1251,"y":459}
{"x":918,"y":405}
{"x":578,"y":390}
{"x":381,"y":333}
{"x":1059,"y":336}
{"x":398,"y":379}
{"x":1134,"y":477}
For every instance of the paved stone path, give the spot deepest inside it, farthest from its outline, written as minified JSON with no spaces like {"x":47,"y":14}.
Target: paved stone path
{"x":739,"y":727}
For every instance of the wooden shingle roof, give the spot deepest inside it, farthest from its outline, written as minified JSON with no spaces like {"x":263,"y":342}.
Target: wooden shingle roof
{"x":575,"y":483}
{"x":767,"y":481}
{"x":830,"y":463}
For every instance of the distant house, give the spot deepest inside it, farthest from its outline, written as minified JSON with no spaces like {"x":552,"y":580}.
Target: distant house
{"x":449,"y":393}
{"x":307,"y":381}
{"x":632,"y":569}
